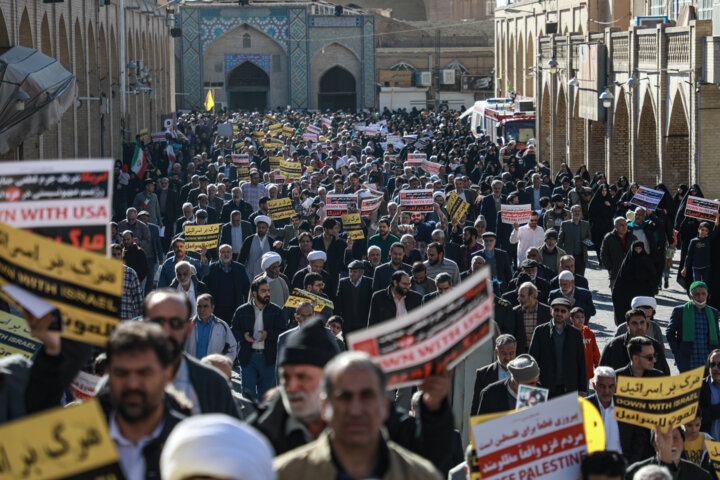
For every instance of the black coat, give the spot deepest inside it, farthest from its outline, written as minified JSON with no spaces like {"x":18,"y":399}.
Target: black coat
{"x":355,"y":314}
{"x":241,"y":284}
{"x":298,"y":281}
{"x":615,"y":355}
{"x":495,"y":398}
{"x":428,"y":434}
{"x":228,"y":207}
{"x":382,"y":305}
{"x":244,"y":322}
{"x":686,"y":470}
{"x":504,"y":266}
{"x":613,"y":252}
{"x":483,"y":377}
{"x":600,"y":216}
{"x":226,"y":232}
{"x":292,"y":258}
{"x":636,"y":278}
{"x":383,"y":275}
{"x":542,"y":350}
{"x":338,"y":256}
{"x":544,"y":316}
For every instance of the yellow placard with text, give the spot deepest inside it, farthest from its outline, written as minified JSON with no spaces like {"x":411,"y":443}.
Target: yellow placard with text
{"x":198,"y":236}
{"x":58,"y":443}
{"x":85,"y":286}
{"x":659,"y":401}
{"x":456,"y":206}
{"x":290,"y":170}
{"x":275,"y":162}
{"x":15,"y":337}
{"x":353,"y":226}
{"x":319,"y":303}
{"x":713,"y":449}
{"x":280,"y":208}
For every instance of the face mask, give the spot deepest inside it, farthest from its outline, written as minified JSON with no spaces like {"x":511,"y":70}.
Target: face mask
{"x":699,"y":304}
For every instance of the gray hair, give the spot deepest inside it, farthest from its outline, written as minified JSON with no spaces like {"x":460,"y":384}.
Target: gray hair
{"x":618,"y":219}
{"x":653,"y":472}
{"x":372,"y":248}
{"x":505,"y":339}
{"x":216,"y":358}
{"x":183,"y":263}
{"x":437,"y":231}
{"x":603,"y":372}
{"x":640,"y":209}
{"x":480,"y":221}
{"x":406,"y":238}
{"x":495,"y":182}
{"x":529,"y":286}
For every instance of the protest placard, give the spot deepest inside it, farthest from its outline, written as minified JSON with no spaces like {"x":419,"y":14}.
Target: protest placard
{"x":310,"y":137}
{"x":519,"y":214}
{"x":257,"y":134}
{"x":158,"y":137}
{"x":84,"y":385}
{"x":287,"y":131}
{"x":313,"y":129}
{"x":545,"y":441}
{"x":661,"y":401}
{"x":198,"y":236}
{"x":15,"y":337}
{"x":353,"y":226}
{"x":275,"y":128}
{"x":85,"y":286}
{"x":275,"y":162}
{"x":241,"y":159}
{"x":290,"y":170}
{"x":647,"y":197}
{"x":456,"y":206}
{"x":529,"y":396}
{"x":433,"y":338}
{"x":701,"y":208}
{"x":71,"y":442}
{"x":298,"y":295}
{"x":420,"y":200}
{"x":432,"y":168}
{"x":66,"y":200}
{"x":280,"y":208}
{"x":338,"y":204}
{"x":416,"y":159}
{"x":225,"y":130}
{"x":370,"y":203}
{"x":713,"y":449}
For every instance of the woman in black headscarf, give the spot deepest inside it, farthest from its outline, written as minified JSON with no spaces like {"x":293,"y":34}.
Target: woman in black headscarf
{"x":600,"y":215}
{"x":582,"y":171}
{"x":636,"y":278}
{"x":687,"y":228}
{"x":623,"y":204}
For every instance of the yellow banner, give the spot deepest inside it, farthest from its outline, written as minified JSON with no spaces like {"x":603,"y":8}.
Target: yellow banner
{"x":198,"y":236}
{"x":319,"y":303}
{"x":456,"y":206}
{"x":713,"y":449}
{"x":663,"y":401}
{"x":258,"y":134}
{"x":275,"y":162}
{"x":57,"y":443}
{"x":280,"y":208}
{"x":275,"y":127}
{"x":270,"y":117}
{"x":353,"y":227}
{"x":85,"y":286}
{"x":290,"y":170}
{"x":15,"y":337}
{"x":288,"y":131}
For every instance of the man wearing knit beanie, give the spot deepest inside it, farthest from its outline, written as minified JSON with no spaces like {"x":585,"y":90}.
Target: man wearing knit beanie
{"x":292,"y":418}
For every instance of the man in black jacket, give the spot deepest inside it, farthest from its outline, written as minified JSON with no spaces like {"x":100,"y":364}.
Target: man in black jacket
{"x":505,"y":350}
{"x":641,"y":351}
{"x":499,"y":260}
{"x":257,"y":326}
{"x":669,"y":448}
{"x":709,"y":409}
{"x":353,"y":298}
{"x":384,"y":304}
{"x":235,"y":232}
{"x":204,"y":386}
{"x":228,"y":283}
{"x":558,"y":349}
{"x":301,"y":364}
{"x":501,"y":396}
{"x":384,"y":272}
{"x":236,"y":203}
{"x":140,"y":366}
{"x":338,"y":251}
{"x":615,"y":353}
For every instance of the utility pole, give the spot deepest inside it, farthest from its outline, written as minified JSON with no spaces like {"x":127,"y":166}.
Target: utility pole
{"x":437,"y":70}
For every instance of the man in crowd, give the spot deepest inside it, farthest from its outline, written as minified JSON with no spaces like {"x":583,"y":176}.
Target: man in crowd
{"x":134,"y":256}
{"x":574,"y":238}
{"x":490,"y":205}
{"x":505,"y":351}
{"x":615,"y":246}
{"x":668,"y":453}
{"x":576,"y":296}
{"x":615,"y":354}
{"x":437,"y":263}
{"x":139,"y":229}
{"x":236,"y":203}
{"x":530,"y":235}
{"x":383,"y":239}
{"x":352,"y":302}
{"x":693,"y":329}
{"x":167,"y":271}
{"x":499,"y":260}
{"x":132,"y":294}
{"x":469,"y":247}
{"x":235,"y":232}
{"x":255,"y":246}
{"x":393,"y":301}
{"x":258,"y":324}
{"x":558,"y":349}
{"x":279,"y":288}
{"x":384,"y":272}
{"x":208,"y":333}
{"x":187,"y":283}
{"x":227,"y":282}
{"x":501,"y":396}
{"x":528,"y":315}
{"x":254,"y":190}
{"x":642,"y":359}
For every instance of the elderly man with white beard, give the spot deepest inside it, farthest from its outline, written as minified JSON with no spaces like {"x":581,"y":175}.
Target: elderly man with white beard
{"x":577,"y":296}
{"x":292,"y":418}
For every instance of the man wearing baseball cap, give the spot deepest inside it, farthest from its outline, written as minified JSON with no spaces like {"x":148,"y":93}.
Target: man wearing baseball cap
{"x":559,"y":351}
{"x":292,"y":418}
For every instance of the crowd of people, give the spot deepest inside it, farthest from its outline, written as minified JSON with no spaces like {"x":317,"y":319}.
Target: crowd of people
{"x":212,"y":373}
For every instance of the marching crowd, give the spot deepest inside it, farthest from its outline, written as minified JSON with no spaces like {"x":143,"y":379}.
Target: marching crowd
{"x":215,"y":372}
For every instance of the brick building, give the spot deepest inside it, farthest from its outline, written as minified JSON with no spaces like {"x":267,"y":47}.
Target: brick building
{"x":86,"y":38}
{"x":663,"y":107}
{"x":272,"y":54}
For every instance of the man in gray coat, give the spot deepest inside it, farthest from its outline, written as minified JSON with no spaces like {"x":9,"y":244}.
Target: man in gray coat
{"x":574,"y":238}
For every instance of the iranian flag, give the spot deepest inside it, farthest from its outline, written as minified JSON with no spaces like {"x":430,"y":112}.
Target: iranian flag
{"x":171,"y":154}
{"x":139,"y":162}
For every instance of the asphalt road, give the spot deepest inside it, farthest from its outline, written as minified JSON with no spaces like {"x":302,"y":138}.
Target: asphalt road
{"x":603,"y":323}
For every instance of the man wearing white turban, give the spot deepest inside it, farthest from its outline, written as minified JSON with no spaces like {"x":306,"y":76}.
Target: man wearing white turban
{"x":279,"y":289}
{"x":255,"y":246}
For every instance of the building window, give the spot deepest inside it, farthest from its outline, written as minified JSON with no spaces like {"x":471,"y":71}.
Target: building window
{"x":490,"y":8}
{"x":677,"y":5}
{"x":246,"y":40}
{"x":402,"y":66}
{"x":657,"y":7}
{"x":705,"y":9}
{"x":276,"y":65}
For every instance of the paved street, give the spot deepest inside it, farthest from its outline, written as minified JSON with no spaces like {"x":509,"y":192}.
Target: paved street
{"x":603,"y":324}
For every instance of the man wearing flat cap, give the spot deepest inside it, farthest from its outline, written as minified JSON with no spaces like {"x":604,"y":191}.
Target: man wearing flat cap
{"x":353,"y":298}
{"x":558,"y":349}
{"x":502,"y":395}
{"x":255,"y":246}
{"x":693,"y":330}
{"x":292,"y":418}
{"x":499,"y":260}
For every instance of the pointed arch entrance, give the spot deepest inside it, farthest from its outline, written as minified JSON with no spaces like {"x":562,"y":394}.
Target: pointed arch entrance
{"x":646,"y":170}
{"x":247,"y":87}
{"x":337,"y":90}
{"x":677,"y":166}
